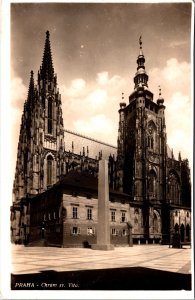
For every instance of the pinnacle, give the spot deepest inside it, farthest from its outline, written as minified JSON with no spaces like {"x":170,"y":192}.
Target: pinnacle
{"x":31,"y":88}
{"x":47,"y":70}
{"x":47,"y":34}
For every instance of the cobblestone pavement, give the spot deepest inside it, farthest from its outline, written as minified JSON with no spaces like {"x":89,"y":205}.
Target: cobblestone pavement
{"x":31,"y":260}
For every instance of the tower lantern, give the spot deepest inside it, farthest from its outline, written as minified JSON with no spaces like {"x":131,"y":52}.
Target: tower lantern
{"x":141,"y":77}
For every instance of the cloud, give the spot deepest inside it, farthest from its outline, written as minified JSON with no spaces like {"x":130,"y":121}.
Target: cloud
{"x":83,"y":107}
{"x":91,"y":107}
{"x":175,"y":70}
{"x":179,"y":124}
{"x":175,"y":81}
{"x":174,"y":76}
{"x":96,"y":99}
{"x":76,"y":88}
{"x":97,"y":125}
{"x":175,"y":44}
{"x":102,"y":78}
{"x":18,"y":95}
{"x":94,"y":109}
{"x":18,"y":92}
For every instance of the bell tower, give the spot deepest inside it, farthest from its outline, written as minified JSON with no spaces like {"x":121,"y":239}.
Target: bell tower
{"x":142,"y":143}
{"x":142,"y":136}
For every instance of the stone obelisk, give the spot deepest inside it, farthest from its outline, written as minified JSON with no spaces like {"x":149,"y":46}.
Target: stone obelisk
{"x":103,"y":226}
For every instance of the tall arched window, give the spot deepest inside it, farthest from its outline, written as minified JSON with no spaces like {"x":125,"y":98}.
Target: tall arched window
{"x":176,"y":227}
{"x":151,"y":135}
{"x":155,"y":223}
{"x":136,"y":220}
{"x":49,"y":169}
{"x":182,"y":232}
{"x":152,"y":182}
{"x":173,"y":188}
{"x":188,"y":232}
{"x":50,"y":116}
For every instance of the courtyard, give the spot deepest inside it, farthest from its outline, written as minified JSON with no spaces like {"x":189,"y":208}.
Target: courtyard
{"x":141,"y":267}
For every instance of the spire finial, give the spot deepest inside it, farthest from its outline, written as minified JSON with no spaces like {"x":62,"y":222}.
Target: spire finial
{"x":159,"y":88}
{"x":47,"y":34}
{"x":160,"y":100}
{"x":122,"y":96}
{"x":140,"y":42}
{"x":141,"y":77}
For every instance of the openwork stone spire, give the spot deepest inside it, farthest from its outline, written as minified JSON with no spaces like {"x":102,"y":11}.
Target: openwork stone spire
{"x":47,"y":70}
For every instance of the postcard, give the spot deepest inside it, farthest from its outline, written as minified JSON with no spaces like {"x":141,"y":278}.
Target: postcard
{"x":97,"y":150}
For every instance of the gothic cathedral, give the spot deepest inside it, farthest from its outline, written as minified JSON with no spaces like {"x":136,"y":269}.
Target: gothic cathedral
{"x":55,"y":188}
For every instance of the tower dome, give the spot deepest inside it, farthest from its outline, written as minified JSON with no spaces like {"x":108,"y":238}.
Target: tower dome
{"x":160,"y":99}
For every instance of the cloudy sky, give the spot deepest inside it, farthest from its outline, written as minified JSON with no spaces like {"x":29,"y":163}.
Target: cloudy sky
{"x":95,"y":47}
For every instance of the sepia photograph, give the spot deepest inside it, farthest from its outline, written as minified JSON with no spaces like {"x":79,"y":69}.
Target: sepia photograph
{"x":98,"y":165}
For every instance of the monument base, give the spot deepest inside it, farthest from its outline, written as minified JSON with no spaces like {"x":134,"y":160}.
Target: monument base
{"x":102,"y":247}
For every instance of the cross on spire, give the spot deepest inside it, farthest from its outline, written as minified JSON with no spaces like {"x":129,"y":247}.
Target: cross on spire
{"x":159,"y":91}
{"x":140,"y":41}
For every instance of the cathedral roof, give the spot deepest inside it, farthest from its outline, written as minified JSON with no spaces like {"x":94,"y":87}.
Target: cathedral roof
{"x":79,"y":182}
{"x":82,"y":143}
{"x":79,"y":179}
{"x":84,"y":181}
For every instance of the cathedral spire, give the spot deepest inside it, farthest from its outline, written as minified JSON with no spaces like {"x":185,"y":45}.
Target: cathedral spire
{"x":141,"y":77}
{"x":31,"y":89}
{"x":47,"y":70}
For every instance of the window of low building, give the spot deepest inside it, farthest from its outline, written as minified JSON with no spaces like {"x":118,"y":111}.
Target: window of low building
{"x":113,"y":216}
{"x":113,"y":231}
{"x":89,"y":214}
{"x":75,"y":212}
{"x":90,"y":231}
{"x":123,"y":216}
{"x":76,"y":230}
{"x":124,"y":232}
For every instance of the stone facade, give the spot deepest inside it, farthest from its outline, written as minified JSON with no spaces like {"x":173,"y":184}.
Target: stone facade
{"x":152,"y":190}
{"x":63,"y":217}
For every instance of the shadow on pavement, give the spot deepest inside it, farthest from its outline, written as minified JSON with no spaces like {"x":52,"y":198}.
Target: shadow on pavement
{"x":135,"y":278}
